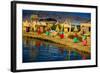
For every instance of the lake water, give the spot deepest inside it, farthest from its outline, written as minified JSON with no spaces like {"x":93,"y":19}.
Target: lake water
{"x":35,"y":50}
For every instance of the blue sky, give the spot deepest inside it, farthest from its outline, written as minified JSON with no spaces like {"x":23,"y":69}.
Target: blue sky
{"x":76,"y":17}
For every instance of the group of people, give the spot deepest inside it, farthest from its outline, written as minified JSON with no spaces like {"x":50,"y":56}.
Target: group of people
{"x":84,"y":39}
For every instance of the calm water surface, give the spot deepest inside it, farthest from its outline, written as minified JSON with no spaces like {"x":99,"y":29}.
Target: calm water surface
{"x":35,"y":50}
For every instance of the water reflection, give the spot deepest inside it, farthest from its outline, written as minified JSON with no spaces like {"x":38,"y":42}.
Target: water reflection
{"x":35,"y":50}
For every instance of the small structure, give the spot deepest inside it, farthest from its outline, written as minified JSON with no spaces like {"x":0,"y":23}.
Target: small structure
{"x":34,"y":21}
{"x":75,"y":29}
{"x":47,"y":23}
{"x":33,"y":26}
{"x":57,"y":28}
{"x":67,"y":28}
{"x":26,"y":25}
{"x":85,"y":27}
{"x":41,"y":26}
